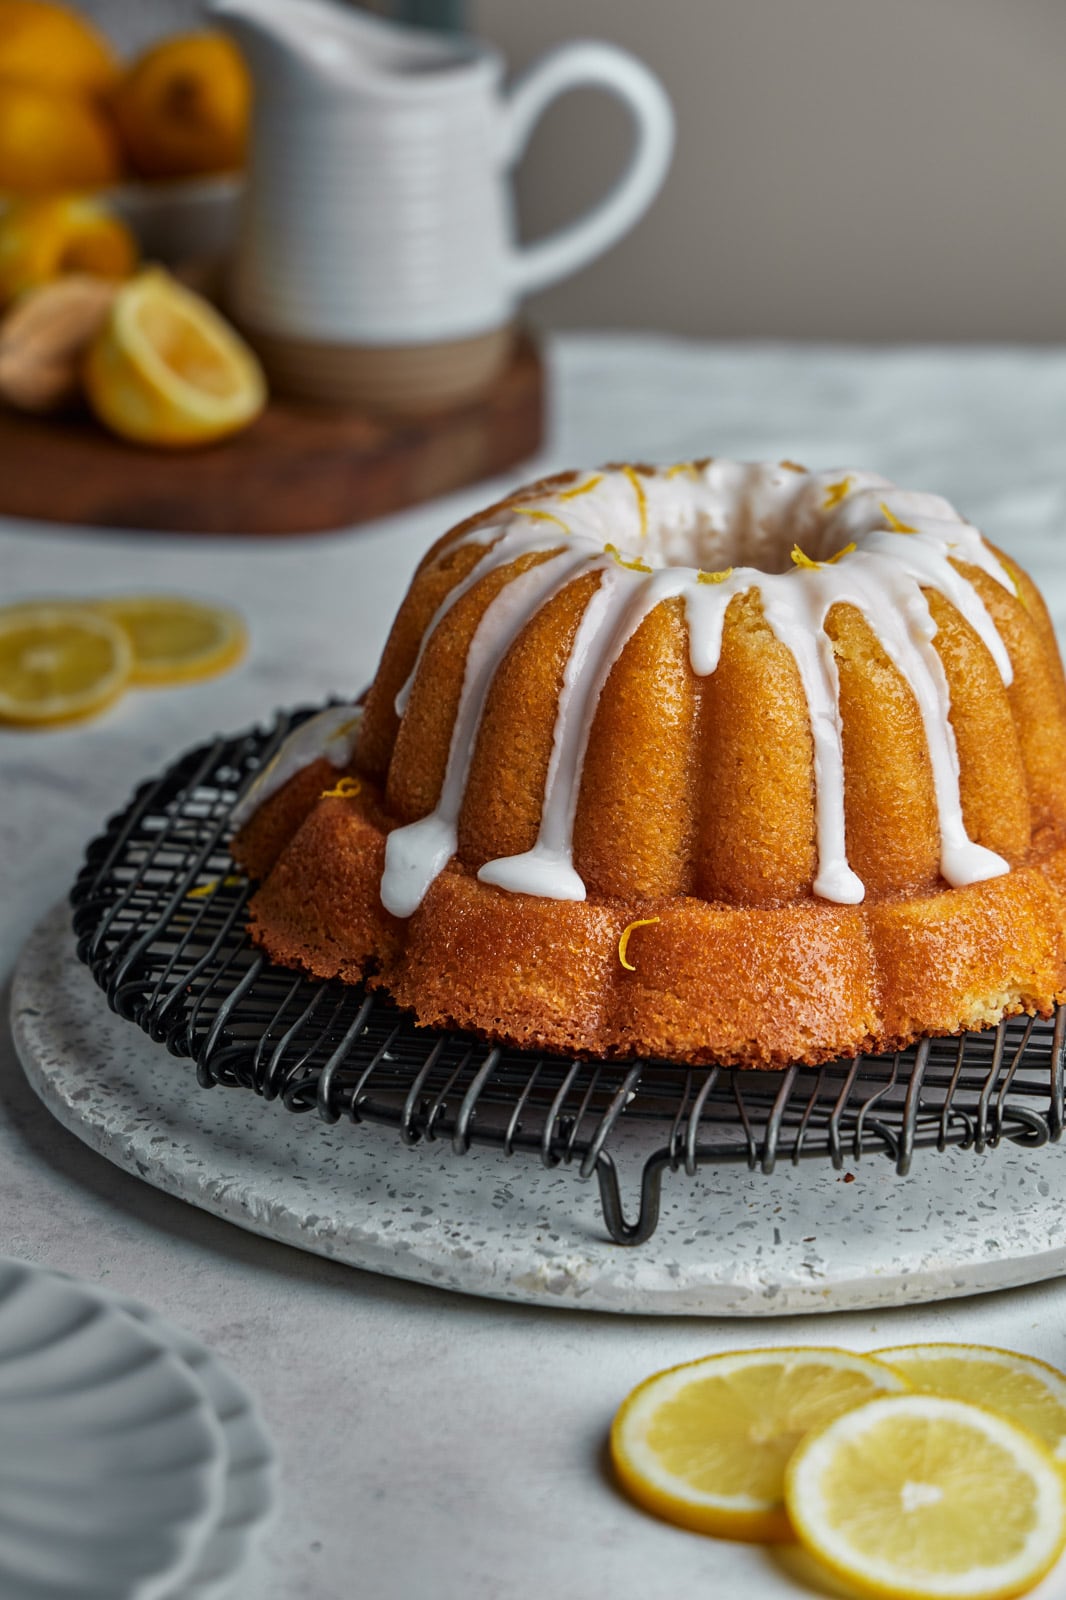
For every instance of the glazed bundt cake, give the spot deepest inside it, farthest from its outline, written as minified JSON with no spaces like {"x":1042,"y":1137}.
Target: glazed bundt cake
{"x":721,"y":762}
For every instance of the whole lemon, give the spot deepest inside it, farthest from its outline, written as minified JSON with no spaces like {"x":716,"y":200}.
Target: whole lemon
{"x":52,"y":141}
{"x":182,"y":108}
{"x":46,"y":237}
{"x":51,"y":47}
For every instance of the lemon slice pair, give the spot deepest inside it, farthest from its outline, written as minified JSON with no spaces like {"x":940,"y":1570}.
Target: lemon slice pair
{"x":883,"y":1466}
{"x":62,"y":662}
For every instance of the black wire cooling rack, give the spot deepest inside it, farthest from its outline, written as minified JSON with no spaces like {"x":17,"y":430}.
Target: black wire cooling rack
{"x":159,"y":917}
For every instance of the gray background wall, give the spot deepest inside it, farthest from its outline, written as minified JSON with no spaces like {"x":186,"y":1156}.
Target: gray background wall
{"x":848,"y":169}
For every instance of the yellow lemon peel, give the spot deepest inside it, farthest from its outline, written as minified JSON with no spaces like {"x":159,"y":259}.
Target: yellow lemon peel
{"x":636,"y":565}
{"x":642,"y":499}
{"x":714,"y":577}
{"x":623,"y":943}
{"x":540,"y":516}
{"x":835,"y":493}
{"x":343,"y":789}
{"x":202,"y":890}
{"x":894,"y":522}
{"x":582,"y":488}
{"x":688,"y":469}
{"x":800,"y":559}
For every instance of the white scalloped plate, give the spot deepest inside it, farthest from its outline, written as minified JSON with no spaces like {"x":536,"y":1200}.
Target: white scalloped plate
{"x":112,"y":1460}
{"x":250,"y":1487}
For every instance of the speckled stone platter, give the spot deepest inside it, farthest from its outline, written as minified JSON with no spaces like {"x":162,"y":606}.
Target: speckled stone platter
{"x":729,"y":1242}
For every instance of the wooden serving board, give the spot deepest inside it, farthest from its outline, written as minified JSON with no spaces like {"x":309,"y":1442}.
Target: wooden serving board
{"x":300,"y":469}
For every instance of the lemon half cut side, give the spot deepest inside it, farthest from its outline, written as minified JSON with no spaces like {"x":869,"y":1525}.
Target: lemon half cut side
{"x":166,"y":369}
{"x":916,"y":1497}
{"x":706,"y":1445}
{"x":58,"y":664}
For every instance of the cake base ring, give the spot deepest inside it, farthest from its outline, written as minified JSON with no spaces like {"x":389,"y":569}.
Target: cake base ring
{"x":729,"y":1242}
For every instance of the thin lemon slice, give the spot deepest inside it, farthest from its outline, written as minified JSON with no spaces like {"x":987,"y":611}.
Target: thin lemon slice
{"x":920,"y":1498}
{"x":1020,"y":1388}
{"x":167,"y":369}
{"x":706,"y":1445}
{"x":176,"y":640}
{"x":59,"y":663}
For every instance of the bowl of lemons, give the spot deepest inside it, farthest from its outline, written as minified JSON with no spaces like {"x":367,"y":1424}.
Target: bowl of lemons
{"x":160,"y":138}
{"x":111,"y":172}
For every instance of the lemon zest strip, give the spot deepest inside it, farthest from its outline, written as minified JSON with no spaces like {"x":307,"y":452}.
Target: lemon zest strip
{"x":714,"y":577}
{"x":204,"y":889}
{"x":835,"y":493}
{"x":540,"y":516}
{"x":582,"y":488}
{"x":800,"y":559}
{"x":845,"y":550}
{"x":636,"y":565}
{"x":688,"y":468}
{"x":623,"y":943}
{"x":642,"y":499}
{"x":893,"y":521}
{"x":344,"y":789}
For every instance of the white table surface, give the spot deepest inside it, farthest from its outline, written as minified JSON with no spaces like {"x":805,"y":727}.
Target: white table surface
{"x":434,"y":1445}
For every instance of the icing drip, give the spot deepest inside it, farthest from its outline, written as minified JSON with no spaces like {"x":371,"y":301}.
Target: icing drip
{"x":332,"y":734}
{"x":416,"y":854}
{"x":614,"y":613}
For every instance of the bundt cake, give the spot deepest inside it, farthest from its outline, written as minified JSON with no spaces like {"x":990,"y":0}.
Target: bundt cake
{"x":720,"y":762}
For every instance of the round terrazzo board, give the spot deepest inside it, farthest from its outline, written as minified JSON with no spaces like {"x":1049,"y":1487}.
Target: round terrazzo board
{"x":729,"y":1242}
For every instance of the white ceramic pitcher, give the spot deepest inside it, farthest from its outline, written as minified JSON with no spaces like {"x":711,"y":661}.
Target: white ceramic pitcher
{"x":378,"y":218}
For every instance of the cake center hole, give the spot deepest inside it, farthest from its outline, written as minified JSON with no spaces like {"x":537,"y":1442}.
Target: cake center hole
{"x":744,"y":535}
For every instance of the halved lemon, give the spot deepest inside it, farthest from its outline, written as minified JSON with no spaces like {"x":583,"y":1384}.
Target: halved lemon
{"x":167,"y":369}
{"x":920,"y":1498}
{"x":60,"y":663}
{"x":705,"y":1445}
{"x":175,"y":640}
{"x":1020,"y":1388}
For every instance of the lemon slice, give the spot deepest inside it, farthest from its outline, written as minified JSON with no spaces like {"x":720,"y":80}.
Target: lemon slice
{"x":167,"y":369}
{"x":1020,"y":1388}
{"x":176,"y":640}
{"x":59,"y":663}
{"x":706,"y":1445}
{"x":921,"y":1498}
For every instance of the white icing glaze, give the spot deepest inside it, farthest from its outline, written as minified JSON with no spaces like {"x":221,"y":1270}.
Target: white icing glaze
{"x":658,"y":535}
{"x":681,"y":525}
{"x":332,"y":734}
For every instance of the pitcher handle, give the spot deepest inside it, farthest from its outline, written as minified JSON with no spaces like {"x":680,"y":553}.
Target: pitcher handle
{"x":609,"y":67}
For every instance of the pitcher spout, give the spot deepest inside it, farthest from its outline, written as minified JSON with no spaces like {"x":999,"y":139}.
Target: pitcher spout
{"x":296,"y":46}
{"x":275,"y":39}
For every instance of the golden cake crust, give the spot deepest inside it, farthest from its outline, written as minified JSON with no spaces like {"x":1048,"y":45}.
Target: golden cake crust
{"x":745,"y":986}
{"x":695,"y":821}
